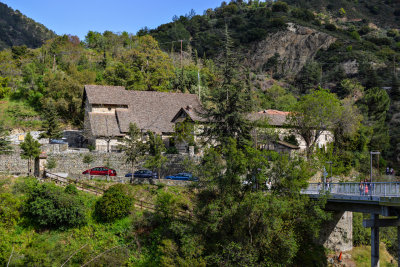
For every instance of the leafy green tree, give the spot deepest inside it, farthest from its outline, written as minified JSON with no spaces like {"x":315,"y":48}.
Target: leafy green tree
{"x":156,"y":147}
{"x":5,"y":90}
{"x":309,"y":77}
{"x":51,"y":207}
{"x":115,"y":204}
{"x":374,"y":107}
{"x":88,"y":159}
{"x":315,"y":113}
{"x":245,"y":227}
{"x":51,"y":126}
{"x":30,"y":150}
{"x":9,"y":210}
{"x":51,"y":163}
{"x":133,"y":146}
{"x":5,"y":147}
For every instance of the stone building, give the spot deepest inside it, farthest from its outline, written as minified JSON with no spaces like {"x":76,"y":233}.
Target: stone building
{"x":110,"y":109}
{"x":276,"y":129}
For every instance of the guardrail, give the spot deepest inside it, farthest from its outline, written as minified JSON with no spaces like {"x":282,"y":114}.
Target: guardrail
{"x":385,"y":189}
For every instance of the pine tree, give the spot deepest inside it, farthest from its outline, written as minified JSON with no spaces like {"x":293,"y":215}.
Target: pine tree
{"x":229,"y":102}
{"x":30,"y":150}
{"x":51,"y":125}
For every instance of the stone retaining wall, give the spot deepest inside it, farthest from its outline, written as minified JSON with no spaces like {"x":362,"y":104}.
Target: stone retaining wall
{"x":71,"y":162}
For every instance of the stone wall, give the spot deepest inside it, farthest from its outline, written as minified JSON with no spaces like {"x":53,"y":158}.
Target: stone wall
{"x":71,"y":162}
{"x":337,"y":234}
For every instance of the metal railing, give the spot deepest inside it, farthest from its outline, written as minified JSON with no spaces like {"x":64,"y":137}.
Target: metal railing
{"x":384,"y":189}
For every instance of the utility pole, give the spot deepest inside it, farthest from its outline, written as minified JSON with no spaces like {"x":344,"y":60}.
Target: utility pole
{"x":372,"y":153}
{"x":181,"y":53}
{"x":198,"y":78}
{"x":54,"y":62}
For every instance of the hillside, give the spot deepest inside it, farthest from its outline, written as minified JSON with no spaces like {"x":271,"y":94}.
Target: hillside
{"x":17,"y":29}
{"x":385,"y":13}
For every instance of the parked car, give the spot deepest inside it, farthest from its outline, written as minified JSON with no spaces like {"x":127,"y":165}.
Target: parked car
{"x":58,"y":141}
{"x":143,"y":174}
{"x":101,"y":171}
{"x":184,"y":176}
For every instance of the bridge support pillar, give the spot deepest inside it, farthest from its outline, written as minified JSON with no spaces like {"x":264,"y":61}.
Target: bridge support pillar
{"x":375,"y":242}
{"x":337,"y":234}
{"x":398,"y":246}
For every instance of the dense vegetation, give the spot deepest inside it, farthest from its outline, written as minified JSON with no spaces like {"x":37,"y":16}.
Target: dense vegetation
{"x":17,"y":29}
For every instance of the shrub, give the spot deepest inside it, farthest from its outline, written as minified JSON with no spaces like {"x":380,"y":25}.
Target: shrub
{"x":114,"y":204}
{"x":330,"y":27}
{"x":280,"y":7}
{"x":49,"y":206}
{"x":71,"y":189}
{"x":9,"y":210}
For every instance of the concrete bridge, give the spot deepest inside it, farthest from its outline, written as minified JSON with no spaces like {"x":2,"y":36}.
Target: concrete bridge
{"x":378,"y":199}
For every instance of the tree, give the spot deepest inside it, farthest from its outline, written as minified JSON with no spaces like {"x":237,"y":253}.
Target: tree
{"x":155,"y":160}
{"x":309,"y":77}
{"x":49,"y":206}
{"x":374,"y":107}
{"x":87,"y":159}
{"x":5,"y":147}
{"x":133,"y":146}
{"x":30,"y":150}
{"x":51,"y":126}
{"x":230,"y":102}
{"x":116,"y":203}
{"x":395,"y":91}
{"x":314,"y":114}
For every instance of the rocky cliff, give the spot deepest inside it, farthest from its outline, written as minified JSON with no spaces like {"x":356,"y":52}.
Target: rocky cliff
{"x":295,"y":46}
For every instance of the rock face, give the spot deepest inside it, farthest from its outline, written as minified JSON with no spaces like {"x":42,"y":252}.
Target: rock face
{"x":295,"y":45}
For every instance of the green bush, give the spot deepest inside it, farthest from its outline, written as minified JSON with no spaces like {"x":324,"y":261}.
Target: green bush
{"x":280,"y":7}
{"x":330,"y":27}
{"x":9,"y":210}
{"x":71,"y":189}
{"x":49,"y":206}
{"x":114,"y":204}
{"x":361,"y":235}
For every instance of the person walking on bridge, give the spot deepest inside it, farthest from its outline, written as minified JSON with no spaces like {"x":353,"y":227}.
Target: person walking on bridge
{"x":366,"y":188}
{"x":361,"y":187}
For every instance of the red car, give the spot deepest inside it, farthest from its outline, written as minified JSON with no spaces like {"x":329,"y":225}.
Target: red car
{"x":101,"y":171}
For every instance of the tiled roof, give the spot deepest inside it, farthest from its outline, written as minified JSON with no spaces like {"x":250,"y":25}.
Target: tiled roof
{"x":149,"y":110}
{"x":188,"y":111}
{"x":104,"y":124}
{"x":273,"y":117}
{"x":106,"y":95}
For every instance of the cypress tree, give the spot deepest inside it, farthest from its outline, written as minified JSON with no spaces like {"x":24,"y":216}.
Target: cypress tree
{"x":51,"y":125}
{"x":229,"y":101}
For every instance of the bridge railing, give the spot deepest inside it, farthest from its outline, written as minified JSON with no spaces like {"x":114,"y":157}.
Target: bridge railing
{"x":354,"y":189}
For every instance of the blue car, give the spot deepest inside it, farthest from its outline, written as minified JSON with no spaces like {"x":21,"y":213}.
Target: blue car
{"x":184,"y":176}
{"x":143,"y":174}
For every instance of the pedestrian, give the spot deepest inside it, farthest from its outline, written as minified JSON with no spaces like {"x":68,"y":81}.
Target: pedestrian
{"x":366,"y":189}
{"x":269,"y":185}
{"x":391,"y":171}
{"x":387,"y":171}
{"x":361,"y":187}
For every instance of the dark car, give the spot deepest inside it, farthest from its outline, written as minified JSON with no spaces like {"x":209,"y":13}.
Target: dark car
{"x":101,"y":171}
{"x":143,"y":174}
{"x":184,"y":176}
